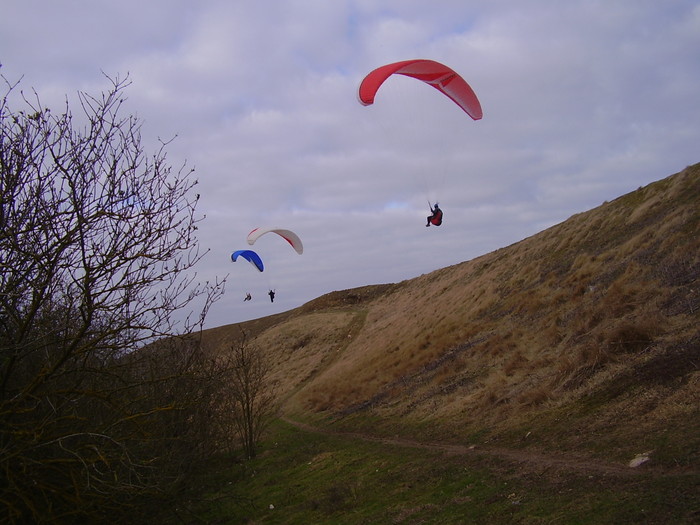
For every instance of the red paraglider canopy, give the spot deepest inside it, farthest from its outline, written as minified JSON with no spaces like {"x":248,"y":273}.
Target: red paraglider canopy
{"x":438,"y":75}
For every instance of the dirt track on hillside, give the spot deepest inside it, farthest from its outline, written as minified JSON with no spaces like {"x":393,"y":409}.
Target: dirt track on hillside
{"x":526,"y":461}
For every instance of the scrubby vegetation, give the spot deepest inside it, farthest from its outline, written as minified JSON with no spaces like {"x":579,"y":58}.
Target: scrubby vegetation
{"x":104,"y":397}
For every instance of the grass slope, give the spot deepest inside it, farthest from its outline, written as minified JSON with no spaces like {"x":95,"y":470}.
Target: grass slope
{"x":580,"y":341}
{"x":315,"y":478}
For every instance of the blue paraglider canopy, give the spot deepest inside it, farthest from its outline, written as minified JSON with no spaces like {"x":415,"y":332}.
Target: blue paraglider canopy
{"x":249,"y":255}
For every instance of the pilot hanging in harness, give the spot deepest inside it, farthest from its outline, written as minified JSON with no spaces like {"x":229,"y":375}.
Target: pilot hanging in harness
{"x":436,"y":218}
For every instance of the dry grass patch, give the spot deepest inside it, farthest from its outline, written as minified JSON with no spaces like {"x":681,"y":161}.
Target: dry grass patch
{"x":298,"y":348}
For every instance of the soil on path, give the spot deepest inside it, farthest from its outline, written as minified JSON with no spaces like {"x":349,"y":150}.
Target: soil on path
{"x":527,"y":460}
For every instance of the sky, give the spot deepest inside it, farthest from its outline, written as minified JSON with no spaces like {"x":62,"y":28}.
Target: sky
{"x":583,"y":101}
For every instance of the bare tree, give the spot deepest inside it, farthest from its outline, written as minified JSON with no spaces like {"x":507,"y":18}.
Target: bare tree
{"x":250,"y":400}
{"x":97,"y":249}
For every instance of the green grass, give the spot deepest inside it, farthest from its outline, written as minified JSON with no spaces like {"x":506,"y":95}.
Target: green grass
{"x":313,"y":478}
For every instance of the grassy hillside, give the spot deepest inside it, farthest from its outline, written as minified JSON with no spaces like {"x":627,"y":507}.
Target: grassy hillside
{"x":582,"y":337}
{"x":534,"y":373}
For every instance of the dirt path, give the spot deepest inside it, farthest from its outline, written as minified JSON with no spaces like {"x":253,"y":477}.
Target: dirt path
{"x":526,"y":460}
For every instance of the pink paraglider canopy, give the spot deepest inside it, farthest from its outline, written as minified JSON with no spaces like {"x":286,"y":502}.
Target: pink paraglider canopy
{"x":438,"y":75}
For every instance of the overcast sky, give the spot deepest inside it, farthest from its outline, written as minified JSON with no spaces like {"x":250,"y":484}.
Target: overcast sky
{"x":583,"y":100}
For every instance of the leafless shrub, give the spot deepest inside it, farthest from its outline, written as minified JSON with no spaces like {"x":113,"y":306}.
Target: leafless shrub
{"x":248,"y":401}
{"x":97,"y":241}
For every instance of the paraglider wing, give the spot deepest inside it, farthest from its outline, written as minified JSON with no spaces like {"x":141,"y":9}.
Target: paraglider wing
{"x":288,"y":235}
{"x":438,"y":75}
{"x":250,"y":256}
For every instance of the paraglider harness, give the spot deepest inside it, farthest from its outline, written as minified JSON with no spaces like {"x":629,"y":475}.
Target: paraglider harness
{"x":436,"y":218}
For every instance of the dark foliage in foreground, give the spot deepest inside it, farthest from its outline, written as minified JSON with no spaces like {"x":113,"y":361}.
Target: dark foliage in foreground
{"x":97,"y":240}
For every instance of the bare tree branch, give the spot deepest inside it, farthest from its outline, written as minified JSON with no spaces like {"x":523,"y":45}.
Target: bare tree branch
{"x":97,"y":254}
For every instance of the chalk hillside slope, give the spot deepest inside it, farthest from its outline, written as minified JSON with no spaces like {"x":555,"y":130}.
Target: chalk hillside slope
{"x":584,"y":337}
